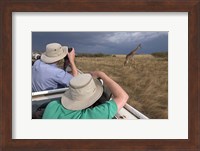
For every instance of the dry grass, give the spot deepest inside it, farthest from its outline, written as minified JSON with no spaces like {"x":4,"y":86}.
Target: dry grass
{"x":146,"y":81}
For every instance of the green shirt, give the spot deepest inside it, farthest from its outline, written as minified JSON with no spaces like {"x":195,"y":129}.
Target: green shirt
{"x":55,"y":110}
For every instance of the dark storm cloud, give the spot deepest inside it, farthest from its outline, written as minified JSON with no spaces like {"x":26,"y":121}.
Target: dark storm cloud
{"x":103,"y":42}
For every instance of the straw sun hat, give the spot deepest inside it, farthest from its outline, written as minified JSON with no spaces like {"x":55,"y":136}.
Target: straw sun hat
{"x":54,"y":52}
{"x":83,"y":92}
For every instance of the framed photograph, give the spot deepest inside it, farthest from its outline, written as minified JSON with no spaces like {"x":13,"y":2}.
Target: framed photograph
{"x":22,"y":22}
{"x":141,"y":56}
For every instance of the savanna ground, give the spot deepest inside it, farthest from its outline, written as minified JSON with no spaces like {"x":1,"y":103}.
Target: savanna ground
{"x":146,"y":81}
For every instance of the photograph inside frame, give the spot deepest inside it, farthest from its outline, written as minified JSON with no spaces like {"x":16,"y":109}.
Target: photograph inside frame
{"x":100,"y":75}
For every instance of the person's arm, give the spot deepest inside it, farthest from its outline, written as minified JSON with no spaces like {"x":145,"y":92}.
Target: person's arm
{"x":71,"y":57}
{"x":119,"y":95}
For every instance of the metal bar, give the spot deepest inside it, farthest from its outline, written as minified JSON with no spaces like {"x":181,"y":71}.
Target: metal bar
{"x":126,"y":115}
{"x":49,"y":92}
{"x":135,"y":112}
{"x":47,"y":97}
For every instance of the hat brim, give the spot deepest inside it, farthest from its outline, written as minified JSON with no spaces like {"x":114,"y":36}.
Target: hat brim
{"x":47,"y":59}
{"x":85,"y":102}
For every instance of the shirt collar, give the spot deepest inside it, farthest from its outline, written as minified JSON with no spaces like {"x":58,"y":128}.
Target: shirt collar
{"x":53,"y":64}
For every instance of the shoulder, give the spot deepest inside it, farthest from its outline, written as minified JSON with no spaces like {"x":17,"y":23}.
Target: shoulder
{"x":111,"y":104}
{"x":53,"y":69}
{"x":106,"y":110}
{"x":36,"y":63}
{"x":53,"y":104}
{"x":40,"y":64}
{"x":52,"y":110}
{"x":55,"y":110}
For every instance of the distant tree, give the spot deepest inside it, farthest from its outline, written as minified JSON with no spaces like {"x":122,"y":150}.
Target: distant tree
{"x":36,"y":51}
{"x":160,"y":54}
{"x":92,"y":55}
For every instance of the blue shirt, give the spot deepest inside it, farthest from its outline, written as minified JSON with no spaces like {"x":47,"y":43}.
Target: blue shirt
{"x":48,"y":76}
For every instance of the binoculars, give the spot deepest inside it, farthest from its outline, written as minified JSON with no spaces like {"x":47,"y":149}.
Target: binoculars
{"x":69,"y":50}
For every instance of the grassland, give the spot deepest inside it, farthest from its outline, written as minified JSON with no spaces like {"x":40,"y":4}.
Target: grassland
{"x":146,"y":81}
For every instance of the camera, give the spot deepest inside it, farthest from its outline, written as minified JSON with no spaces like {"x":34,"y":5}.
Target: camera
{"x":69,"y":50}
{"x":66,"y":59}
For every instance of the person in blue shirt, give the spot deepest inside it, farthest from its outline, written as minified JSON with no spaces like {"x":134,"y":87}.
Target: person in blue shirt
{"x":45,"y":73}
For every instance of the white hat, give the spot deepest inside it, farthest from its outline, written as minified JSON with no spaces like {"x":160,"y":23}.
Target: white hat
{"x":83,"y":92}
{"x":54,"y":52}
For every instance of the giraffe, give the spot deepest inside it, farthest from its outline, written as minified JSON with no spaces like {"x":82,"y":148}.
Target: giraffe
{"x":129,"y":57}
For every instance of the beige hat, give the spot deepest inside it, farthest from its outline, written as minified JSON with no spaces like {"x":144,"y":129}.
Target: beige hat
{"x":83,"y":92}
{"x":54,"y":52}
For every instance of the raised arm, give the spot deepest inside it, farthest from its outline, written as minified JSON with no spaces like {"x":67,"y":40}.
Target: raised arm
{"x":71,"y":57}
{"x":119,"y":95}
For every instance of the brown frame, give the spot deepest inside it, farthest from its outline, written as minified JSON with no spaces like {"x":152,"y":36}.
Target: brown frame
{"x":9,"y":6}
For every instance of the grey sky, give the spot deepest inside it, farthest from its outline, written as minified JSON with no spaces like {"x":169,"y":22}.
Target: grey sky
{"x":103,"y":42}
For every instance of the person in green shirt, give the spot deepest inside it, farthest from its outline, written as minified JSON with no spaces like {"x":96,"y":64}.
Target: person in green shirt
{"x":84,"y":90}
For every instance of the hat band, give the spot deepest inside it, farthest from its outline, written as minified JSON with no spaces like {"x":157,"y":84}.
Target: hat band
{"x":56,"y":53}
{"x":88,"y":90}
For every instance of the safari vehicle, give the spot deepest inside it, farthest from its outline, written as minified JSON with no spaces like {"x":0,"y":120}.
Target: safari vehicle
{"x":42,"y":98}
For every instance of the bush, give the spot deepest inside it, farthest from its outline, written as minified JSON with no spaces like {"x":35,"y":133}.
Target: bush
{"x":92,"y":55}
{"x":160,"y":54}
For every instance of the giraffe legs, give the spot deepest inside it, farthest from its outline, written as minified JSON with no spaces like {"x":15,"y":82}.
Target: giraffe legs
{"x":133,"y":63}
{"x":125,"y":62}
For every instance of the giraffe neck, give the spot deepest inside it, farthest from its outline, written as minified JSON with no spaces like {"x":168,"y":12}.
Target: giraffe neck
{"x":133,"y":51}
{"x":136,"y":49}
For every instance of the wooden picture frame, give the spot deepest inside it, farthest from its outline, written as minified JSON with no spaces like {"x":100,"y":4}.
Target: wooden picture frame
{"x":6,"y":9}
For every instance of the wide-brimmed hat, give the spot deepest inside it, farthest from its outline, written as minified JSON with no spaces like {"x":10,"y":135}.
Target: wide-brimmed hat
{"x":54,"y":52}
{"x":83,"y":92}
